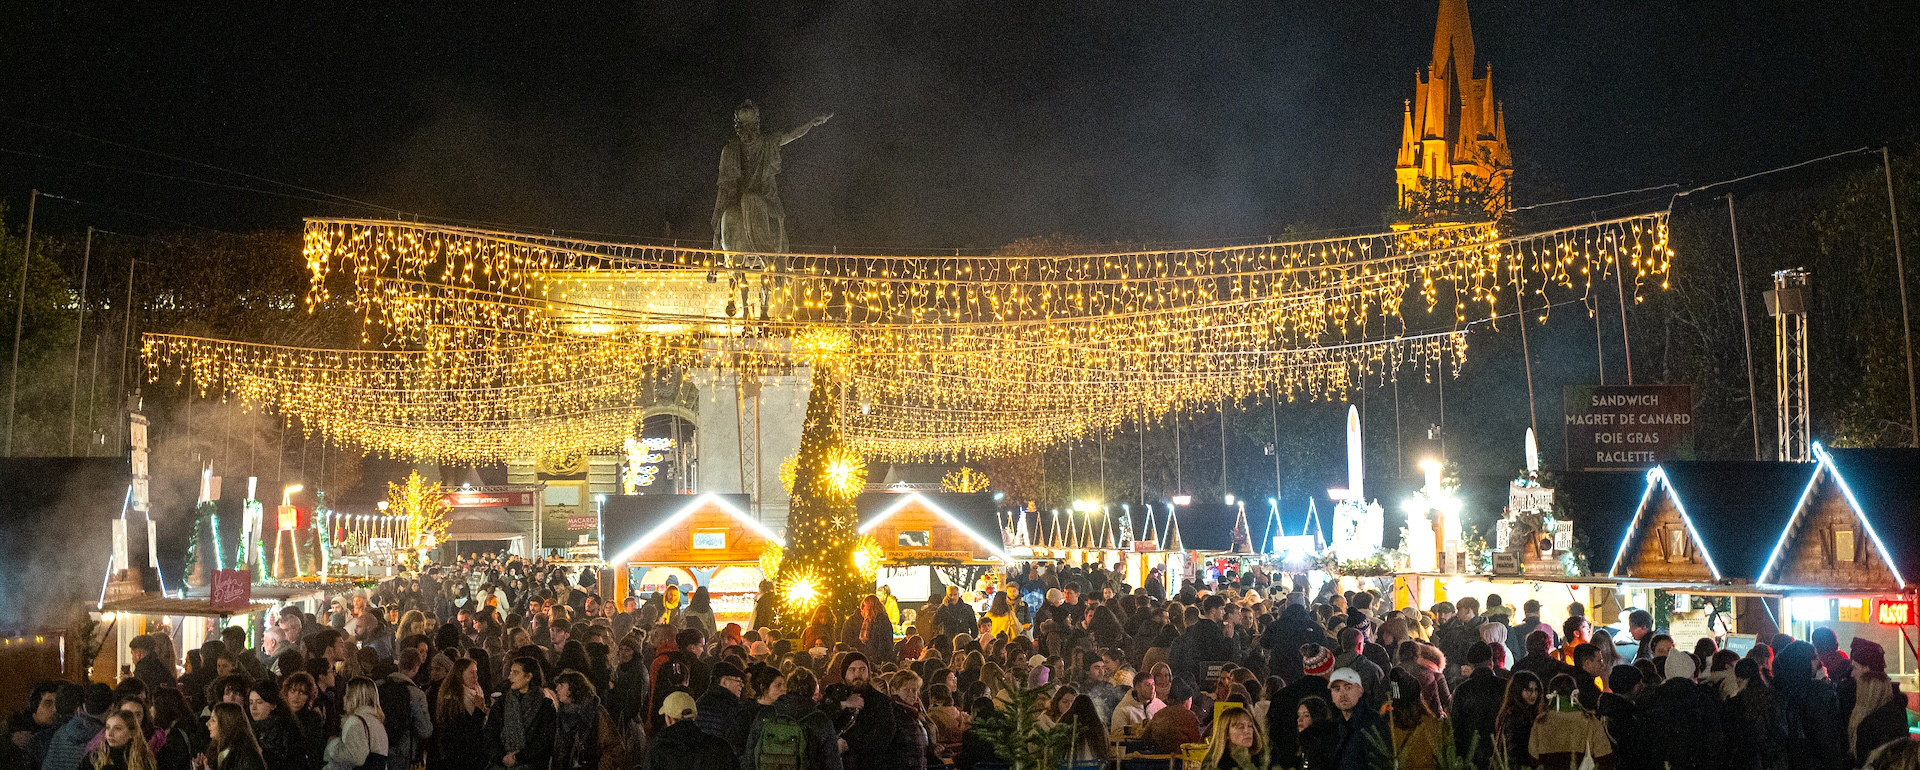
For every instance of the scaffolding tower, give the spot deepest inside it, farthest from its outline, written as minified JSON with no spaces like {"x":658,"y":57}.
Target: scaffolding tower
{"x":1787,"y":303}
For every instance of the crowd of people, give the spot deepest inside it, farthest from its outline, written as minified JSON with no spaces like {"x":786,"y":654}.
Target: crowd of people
{"x":502,"y":662}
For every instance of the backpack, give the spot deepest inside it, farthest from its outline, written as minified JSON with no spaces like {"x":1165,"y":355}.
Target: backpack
{"x":782,"y":746}
{"x":396,"y":702}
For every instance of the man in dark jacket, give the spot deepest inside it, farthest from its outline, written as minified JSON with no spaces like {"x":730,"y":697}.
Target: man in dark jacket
{"x":870,"y":731}
{"x":1206,"y":642}
{"x":721,"y":699}
{"x":1679,"y":721}
{"x":1817,"y":729}
{"x":69,"y":745}
{"x":1295,"y":629}
{"x":681,"y":745}
{"x":147,"y":666}
{"x":797,"y":707}
{"x":1621,"y":714}
{"x":1363,"y":734}
{"x":1539,"y":659}
{"x":954,"y":616}
{"x":1476,"y":705}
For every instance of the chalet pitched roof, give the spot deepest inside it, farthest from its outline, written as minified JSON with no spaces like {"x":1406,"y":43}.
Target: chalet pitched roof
{"x":1883,"y":486}
{"x":972,"y":514}
{"x":1733,"y":510}
{"x":634,"y":521}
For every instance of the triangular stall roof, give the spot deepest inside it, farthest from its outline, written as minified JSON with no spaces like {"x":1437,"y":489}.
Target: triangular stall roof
{"x":705,"y":529}
{"x":1855,"y":527}
{"x":933,"y":525}
{"x":1707,"y":522}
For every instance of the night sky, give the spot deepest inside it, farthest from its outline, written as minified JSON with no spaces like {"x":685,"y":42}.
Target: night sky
{"x":958,"y":124}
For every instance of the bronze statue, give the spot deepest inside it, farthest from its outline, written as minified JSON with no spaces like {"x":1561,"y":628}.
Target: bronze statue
{"x":747,"y":215}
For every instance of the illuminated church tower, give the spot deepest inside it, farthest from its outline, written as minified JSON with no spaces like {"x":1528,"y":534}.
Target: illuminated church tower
{"x":1454,"y":163}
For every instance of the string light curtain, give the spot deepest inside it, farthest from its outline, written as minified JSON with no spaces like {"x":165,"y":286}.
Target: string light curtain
{"x":548,"y":344}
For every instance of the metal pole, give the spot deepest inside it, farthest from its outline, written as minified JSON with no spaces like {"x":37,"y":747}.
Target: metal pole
{"x":19,"y":321}
{"x":1626,"y":340}
{"x":1906,"y":326}
{"x":126,"y":334}
{"x":1746,"y":328}
{"x":1526,"y":354}
{"x":1273,"y":402}
{"x":1223,"y":449}
{"x":79,"y":329}
{"x":93,"y":393}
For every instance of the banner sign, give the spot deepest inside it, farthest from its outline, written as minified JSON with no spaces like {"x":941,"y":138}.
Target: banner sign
{"x":474,"y":499}
{"x":583,"y":522}
{"x":1627,"y":427}
{"x":1528,"y":499}
{"x":232,"y":591}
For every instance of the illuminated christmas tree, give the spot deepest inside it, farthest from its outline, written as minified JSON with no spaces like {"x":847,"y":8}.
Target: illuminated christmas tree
{"x":818,"y":567}
{"x":425,"y":509}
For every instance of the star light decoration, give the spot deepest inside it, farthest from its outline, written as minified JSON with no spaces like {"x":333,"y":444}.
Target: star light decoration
{"x":484,"y":345}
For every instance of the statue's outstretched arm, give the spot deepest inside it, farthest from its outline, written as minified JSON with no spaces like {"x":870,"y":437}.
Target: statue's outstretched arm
{"x":804,"y":128}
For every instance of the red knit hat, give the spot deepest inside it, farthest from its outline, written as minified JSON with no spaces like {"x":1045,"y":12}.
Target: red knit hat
{"x":1316,"y":660}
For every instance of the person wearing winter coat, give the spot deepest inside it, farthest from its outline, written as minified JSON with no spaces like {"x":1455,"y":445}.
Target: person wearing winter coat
{"x":912,"y":747}
{"x":520,"y":726}
{"x":362,"y":742}
{"x":799,"y":706}
{"x":1296,"y":628}
{"x":1754,"y":721}
{"x":1879,"y":713}
{"x":1565,"y":734}
{"x":1818,"y":735}
{"x":68,"y":748}
{"x":459,"y":720}
{"x":577,"y":742}
{"x":1678,"y":722}
{"x":1206,"y":642}
{"x":681,"y":745}
{"x":279,"y":736}
{"x":1476,"y":706}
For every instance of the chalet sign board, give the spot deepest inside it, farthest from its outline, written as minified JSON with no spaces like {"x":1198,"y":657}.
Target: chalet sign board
{"x":1627,"y":427}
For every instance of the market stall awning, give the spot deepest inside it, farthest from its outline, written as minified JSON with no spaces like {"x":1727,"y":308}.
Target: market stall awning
{"x":168,"y":605}
{"x":972,"y":515}
{"x":482,"y":524}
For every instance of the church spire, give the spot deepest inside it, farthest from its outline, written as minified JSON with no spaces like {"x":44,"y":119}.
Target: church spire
{"x":1453,"y":163}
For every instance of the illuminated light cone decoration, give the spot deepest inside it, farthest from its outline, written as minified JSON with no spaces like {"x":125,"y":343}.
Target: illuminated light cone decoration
{"x":821,"y":564}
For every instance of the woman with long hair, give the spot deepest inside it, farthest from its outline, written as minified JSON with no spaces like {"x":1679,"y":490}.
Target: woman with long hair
{"x":819,"y":631}
{"x":870,"y":632}
{"x":1059,"y":704}
{"x":581,"y":721}
{"x":1416,"y":730}
{"x":175,"y":728}
{"x":1753,"y":714}
{"x":459,"y":720}
{"x":230,"y":743}
{"x":122,"y":745}
{"x":278,"y":735}
{"x":1317,"y":731}
{"x":1000,"y":621}
{"x":1879,"y":713}
{"x":298,"y":694}
{"x":1565,"y":733}
{"x":1089,"y":733}
{"x":1237,"y":743}
{"x":1514,"y":726}
{"x":362,"y":742}
{"x":520,"y":724}
{"x":411,"y":622}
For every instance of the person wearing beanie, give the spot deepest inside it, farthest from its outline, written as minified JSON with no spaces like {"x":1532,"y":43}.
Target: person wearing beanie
{"x":1283,"y":707}
{"x":1879,"y":712}
{"x":1865,"y":655}
{"x":868,"y":716}
{"x":1476,"y":703}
